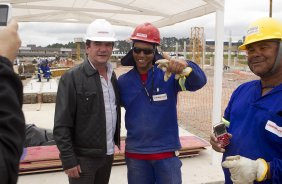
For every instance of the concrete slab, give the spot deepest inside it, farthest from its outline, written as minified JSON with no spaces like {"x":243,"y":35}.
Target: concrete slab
{"x":42,"y":115}
{"x":33,"y":86}
{"x":202,"y":169}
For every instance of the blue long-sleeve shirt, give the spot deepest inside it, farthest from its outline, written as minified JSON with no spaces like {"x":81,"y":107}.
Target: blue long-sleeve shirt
{"x":256,"y":127}
{"x":151,"y":115}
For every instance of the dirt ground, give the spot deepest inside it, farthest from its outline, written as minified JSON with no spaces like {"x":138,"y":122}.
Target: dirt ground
{"x":195,"y":108}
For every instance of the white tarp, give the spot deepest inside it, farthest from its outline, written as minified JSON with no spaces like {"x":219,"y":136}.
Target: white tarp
{"x":119,"y":12}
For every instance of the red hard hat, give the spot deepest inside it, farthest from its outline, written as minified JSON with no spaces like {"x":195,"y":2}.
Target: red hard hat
{"x":146,"y":32}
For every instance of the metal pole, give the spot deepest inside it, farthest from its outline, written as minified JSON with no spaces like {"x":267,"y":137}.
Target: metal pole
{"x":184,"y":50}
{"x":204,"y":48}
{"x":217,"y":83}
{"x":229,"y":49}
{"x":176,"y":50}
{"x":270,"y":8}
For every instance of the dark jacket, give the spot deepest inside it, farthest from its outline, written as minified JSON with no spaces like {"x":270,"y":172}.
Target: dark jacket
{"x":12,"y":123}
{"x":80,"y":120}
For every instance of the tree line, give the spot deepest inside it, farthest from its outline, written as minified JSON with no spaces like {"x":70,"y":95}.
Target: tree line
{"x":167,"y":44}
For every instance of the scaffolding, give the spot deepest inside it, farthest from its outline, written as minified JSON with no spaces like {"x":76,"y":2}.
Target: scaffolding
{"x":78,"y":41}
{"x":196,"y":44}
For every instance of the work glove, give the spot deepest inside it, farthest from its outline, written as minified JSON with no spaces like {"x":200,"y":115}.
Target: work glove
{"x":163,"y":65}
{"x":244,"y":170}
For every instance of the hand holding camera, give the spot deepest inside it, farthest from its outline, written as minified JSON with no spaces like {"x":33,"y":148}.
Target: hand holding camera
{"x":9,"y":38}
{"x":220,"y":138}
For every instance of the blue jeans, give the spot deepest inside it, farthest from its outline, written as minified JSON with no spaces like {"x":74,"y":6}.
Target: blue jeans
{"x":164,"y":171}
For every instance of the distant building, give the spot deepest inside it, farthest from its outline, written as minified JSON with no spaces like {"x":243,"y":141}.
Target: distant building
{"x":33,"y":51}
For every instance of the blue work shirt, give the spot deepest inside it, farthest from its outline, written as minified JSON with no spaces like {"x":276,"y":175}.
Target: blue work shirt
{"x":151,"y":114}
{"x":256,"y":127}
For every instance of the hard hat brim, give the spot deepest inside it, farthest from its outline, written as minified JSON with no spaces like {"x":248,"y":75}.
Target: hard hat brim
{"x":243,"y":46}
{"x":101,"y":39}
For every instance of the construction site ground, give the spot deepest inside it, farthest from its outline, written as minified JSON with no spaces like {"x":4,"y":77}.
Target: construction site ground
{"x":195,"y":170}
{"x":194,"y":115}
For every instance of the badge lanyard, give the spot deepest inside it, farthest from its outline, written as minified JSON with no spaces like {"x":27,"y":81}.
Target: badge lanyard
{"x":150,"y":93}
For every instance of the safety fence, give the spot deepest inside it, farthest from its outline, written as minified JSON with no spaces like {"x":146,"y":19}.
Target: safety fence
{"x":195,"y":108}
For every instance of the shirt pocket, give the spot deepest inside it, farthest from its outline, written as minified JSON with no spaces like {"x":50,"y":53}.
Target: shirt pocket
{"x":86,"y":101}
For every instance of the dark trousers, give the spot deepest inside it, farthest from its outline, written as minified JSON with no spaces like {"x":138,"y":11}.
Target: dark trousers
{"x":94,"y":170}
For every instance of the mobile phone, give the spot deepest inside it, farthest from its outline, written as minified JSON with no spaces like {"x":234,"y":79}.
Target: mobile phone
{"x":5,"y":14}
{"x":221,"y":134}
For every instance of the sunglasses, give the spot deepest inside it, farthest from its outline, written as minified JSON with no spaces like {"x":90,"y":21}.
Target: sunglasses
{"x":145,"y":51}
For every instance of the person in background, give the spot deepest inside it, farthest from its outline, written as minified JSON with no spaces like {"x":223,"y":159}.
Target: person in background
{"x":12,"y":122}
{"x":254,"y":113}
{"x":149,"y":97}
{"x":87,"y":114}
{"x":44,"y":70}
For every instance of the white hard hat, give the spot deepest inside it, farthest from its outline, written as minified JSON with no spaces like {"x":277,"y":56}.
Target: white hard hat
{"x":100,"y":30}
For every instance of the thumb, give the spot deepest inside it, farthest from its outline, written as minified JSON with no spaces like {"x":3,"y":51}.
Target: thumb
{"x":79,"y":169}
{"x":166,"y":56}
{"x":231,"y":161}
{"x":236,"y":157}
{"x":13,"y":25}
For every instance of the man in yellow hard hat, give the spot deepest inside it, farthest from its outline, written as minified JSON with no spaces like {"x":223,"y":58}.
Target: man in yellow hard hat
{"x":254,"y":112}
{"x":87,"y":115}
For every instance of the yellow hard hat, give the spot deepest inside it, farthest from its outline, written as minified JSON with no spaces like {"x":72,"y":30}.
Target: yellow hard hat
{"x":263,"y":29}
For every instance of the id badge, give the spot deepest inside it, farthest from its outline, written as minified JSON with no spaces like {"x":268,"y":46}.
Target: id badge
{"x":160,"y":97}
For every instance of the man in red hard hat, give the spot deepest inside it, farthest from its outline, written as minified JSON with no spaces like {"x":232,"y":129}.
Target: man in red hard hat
{"x":149,"y":96}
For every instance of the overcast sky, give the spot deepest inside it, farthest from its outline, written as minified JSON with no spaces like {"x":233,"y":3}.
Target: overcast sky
{"x":238,"y":15}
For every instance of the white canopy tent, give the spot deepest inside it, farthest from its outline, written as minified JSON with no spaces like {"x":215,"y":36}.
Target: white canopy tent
{"x":119,"y":12}
{"x":130,"y":13}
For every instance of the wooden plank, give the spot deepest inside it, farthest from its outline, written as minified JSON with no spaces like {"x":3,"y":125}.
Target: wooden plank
{"x":41,"y":164}
{"x":40,"y":171}
{"x":46,"y":158}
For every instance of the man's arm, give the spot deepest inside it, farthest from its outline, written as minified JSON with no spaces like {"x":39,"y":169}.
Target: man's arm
{"x":12,"y":123}
{"x":196,"y":79}
{"x":189,"y":75}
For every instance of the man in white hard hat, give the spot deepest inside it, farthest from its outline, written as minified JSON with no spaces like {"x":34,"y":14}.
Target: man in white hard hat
{"x":87,"y":115}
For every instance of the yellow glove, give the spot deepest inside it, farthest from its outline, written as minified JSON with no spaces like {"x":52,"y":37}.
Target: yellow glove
{"x":244,"y":170}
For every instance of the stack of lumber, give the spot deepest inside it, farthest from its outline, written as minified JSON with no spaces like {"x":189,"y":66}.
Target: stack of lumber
{"x":40,"y":159}
{"x":57,"y":72}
